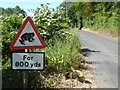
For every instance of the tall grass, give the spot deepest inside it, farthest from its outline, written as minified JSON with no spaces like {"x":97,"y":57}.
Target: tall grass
{"x":63,"y":54}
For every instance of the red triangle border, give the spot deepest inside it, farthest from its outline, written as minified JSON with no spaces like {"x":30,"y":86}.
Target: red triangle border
{"x":12,"y":47}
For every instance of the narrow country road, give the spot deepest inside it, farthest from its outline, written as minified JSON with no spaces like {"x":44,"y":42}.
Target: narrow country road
{"x":103,"y":56}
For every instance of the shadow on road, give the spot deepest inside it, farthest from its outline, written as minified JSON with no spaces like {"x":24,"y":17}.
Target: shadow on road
{"x":86,"y":51}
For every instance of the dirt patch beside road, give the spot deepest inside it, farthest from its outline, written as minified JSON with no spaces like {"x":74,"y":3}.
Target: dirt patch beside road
{"x":103,"y":32}
{"x":89,"y":82}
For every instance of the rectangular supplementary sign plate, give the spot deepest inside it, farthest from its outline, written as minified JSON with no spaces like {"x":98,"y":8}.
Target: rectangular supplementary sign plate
{"x":28,"y":61}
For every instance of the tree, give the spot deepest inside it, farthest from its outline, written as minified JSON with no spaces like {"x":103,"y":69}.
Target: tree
{"x":92,"y":14}
{"x":17,"y":10}
{"x":9,"y":11}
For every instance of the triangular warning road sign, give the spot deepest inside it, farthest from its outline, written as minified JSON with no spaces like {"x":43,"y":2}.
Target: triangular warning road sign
{"x":27,"y":37}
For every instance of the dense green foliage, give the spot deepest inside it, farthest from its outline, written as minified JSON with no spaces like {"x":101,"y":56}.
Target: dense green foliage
{"x":9,"y":25}
{"x":95,"y":15}
{"x":104,"y":15}
{"x":11,"y":20}
{"x":49,"y":22}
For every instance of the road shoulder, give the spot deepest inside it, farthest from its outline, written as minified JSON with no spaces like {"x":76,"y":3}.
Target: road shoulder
{"x":101,"y":33}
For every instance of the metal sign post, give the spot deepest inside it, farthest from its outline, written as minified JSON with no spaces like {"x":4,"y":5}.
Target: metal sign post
{"x":25,"y":77}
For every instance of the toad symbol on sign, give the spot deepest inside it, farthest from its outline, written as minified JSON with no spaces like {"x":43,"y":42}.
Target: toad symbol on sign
{"x":27,"y":37}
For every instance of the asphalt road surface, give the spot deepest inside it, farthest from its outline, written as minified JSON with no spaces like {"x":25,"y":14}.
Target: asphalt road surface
{"x":102,"y":53}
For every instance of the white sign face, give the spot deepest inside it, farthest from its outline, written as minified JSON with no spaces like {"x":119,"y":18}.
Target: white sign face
{"x":28,"y":37}
{"x":28,"y":61}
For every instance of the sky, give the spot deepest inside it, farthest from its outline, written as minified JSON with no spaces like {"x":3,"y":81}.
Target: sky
{"x":29,"y":4}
